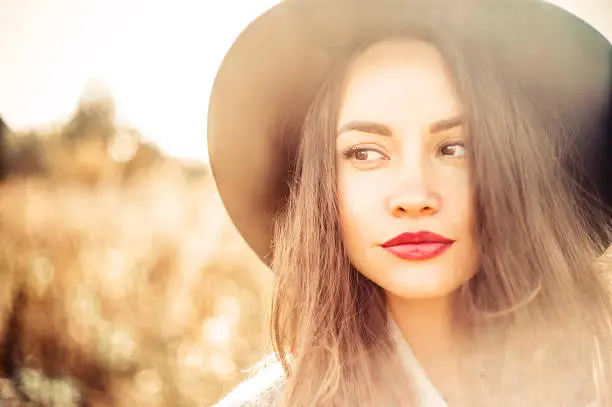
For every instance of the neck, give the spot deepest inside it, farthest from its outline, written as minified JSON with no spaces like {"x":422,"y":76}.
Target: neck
{"x":425,"y":323}
{"x":427,"y":326}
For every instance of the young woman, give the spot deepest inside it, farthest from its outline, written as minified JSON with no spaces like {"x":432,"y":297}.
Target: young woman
{"x":430,"y":184}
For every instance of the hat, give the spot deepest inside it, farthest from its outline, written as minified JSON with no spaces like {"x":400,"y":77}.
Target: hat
{"x":271,"y":73}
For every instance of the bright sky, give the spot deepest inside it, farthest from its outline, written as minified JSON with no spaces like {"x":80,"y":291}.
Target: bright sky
{"x":158,"y":57}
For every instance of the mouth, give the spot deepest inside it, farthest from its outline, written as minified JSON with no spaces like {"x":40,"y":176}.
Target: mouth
{"x":418,"y":246}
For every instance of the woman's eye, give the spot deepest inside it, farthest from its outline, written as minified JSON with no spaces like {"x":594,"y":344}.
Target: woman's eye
{"x":452,"y":149}
{"x":364,"y":154}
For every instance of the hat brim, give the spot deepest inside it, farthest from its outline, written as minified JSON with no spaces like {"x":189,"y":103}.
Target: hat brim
{"x":271,"y":73}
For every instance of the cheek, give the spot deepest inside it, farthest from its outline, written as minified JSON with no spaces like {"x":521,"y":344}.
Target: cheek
{"x":459,"y":217}
{"x":459,"y":206}
{"x":361,"y":205}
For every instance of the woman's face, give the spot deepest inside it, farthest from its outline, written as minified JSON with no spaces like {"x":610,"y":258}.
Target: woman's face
{"x":403,"y":170}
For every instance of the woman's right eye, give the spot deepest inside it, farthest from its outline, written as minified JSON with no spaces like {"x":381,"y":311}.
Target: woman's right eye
{"x":364,"y":154}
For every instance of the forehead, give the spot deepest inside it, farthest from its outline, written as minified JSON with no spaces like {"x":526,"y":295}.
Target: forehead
{"x":400,"y":80}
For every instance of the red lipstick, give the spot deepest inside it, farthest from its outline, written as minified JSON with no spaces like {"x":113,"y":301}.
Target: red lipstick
{"x":418,"y":246}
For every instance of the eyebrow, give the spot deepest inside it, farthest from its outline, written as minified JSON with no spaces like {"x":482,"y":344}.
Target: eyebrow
{"x":446,"y":124}
{"x":384,"y":130}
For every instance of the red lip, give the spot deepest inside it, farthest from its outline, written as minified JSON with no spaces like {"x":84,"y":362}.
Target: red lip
{"x":418,"y":246}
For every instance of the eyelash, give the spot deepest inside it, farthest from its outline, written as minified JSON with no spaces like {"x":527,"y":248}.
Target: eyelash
{"x":349,"y":153}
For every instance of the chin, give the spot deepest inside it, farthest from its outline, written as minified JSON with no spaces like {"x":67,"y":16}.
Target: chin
{"x":422,"y":283}
{"x":418,"y":293}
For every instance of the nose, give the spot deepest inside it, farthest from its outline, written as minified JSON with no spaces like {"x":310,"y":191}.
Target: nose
{"x":414,"y":198}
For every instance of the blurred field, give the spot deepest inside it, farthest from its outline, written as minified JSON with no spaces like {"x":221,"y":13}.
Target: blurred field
{"x":122,"y":280}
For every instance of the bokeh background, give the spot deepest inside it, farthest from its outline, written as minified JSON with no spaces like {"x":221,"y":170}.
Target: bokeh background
{"x":122,"y":280}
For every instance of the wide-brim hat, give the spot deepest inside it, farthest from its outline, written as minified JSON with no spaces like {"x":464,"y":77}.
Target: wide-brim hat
{"x":271,"y":73}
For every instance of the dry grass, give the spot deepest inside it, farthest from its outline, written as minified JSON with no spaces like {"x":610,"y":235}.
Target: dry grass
{"x":120,"y":289}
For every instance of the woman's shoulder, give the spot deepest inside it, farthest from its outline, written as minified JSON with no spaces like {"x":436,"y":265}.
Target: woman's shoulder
{"x":263,"y":389}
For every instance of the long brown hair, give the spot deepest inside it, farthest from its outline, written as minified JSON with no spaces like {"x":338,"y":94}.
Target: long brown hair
{"x":538,"y":298}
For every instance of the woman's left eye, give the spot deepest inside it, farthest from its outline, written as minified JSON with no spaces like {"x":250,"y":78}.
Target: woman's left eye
{"x":455,"y":149}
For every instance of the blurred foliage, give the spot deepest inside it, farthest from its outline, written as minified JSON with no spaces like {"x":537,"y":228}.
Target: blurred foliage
{"x":122,"y":280}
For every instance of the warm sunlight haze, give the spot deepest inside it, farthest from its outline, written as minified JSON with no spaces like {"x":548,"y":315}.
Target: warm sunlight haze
{"x":158,"y":59}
